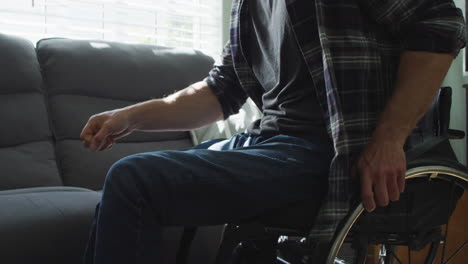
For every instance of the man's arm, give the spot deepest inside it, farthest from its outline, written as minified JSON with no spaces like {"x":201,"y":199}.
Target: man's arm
{"x":216,"y":98}
{"x":432,"y":32}
{"x":190,"y":108}
{"x":382,"y":165}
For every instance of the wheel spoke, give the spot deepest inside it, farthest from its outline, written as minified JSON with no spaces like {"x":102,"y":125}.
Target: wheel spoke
{"x":395,"y":256}
{"x":408,"y":206}
{"x":456,"y":252}
{"x":432,"y":252}
{"x":409,"y":255}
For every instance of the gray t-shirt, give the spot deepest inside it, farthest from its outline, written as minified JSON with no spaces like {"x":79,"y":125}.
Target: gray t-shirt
{"x":289,"y":102}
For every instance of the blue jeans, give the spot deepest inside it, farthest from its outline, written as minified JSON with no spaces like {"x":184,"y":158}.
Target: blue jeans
{"x":216,"y":182}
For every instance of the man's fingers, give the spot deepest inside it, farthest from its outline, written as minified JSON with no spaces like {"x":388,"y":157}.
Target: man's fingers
{"x":367,"y":194}
{"x":87,"y":140}
{"x":89,"y":131}
{"x":109,"y":146}
{"x":109,"y":143}
{"x":381,"y":193}
{"x":92,"y":127}
{"x":99,"y":139}
{"x":85,"y":132}
{"x":401,"y":181}
{"x":87,"y":136}
{"x":392,"y":188}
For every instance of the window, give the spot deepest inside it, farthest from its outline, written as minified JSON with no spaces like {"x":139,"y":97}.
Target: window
{"x":176,"y":23}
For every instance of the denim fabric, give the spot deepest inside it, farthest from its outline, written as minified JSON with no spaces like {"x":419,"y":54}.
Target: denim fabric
{"x":216,"y":182}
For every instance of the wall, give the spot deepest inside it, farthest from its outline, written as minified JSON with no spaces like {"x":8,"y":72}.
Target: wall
{"x":455,"y":78}
{"x":226,"y":18}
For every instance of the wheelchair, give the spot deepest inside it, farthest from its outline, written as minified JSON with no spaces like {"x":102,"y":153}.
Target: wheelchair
{"x":435,"y":181}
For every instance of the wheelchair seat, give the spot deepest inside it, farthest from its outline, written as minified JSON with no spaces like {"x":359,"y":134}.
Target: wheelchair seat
{"x":278,"y":219}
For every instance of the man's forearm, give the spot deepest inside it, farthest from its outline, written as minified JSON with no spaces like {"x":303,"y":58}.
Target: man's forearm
{"x":419,"y":78}
{"x":190,"y":108}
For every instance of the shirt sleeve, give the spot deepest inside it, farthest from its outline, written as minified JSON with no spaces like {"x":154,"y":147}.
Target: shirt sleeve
{"x":422,"y":25}
{"x":224,"y":83}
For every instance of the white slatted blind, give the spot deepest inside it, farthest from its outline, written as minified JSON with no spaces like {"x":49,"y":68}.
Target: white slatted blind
{"x":176,"y":23}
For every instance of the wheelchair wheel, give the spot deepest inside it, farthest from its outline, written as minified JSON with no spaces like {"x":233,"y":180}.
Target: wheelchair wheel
{"x":419,"y":222}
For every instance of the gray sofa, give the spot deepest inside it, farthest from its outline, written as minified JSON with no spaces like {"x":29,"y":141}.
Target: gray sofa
{"x":49,"y":183}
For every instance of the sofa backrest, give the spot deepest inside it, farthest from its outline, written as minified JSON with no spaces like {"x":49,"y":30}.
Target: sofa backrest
{"x":83,"y":78}
{"x":27,"y":157}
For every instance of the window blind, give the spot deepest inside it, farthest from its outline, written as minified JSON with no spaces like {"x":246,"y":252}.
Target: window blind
{"x":175,"y":23}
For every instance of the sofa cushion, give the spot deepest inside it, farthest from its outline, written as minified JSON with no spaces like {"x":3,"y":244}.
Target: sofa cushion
{"x":83,"y":78}
{"x":45,"y":225}
{"x":26,"y":149}
{"x":29,"y":164}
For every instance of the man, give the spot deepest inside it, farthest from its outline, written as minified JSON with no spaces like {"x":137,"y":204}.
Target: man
{"x":341,"y":83}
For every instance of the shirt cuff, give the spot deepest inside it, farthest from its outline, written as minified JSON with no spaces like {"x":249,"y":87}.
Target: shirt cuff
{"x":224,"y":84}
{"x":434,"y":44}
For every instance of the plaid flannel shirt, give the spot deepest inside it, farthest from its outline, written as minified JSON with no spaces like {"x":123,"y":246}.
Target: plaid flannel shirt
{"x":352,"y":50}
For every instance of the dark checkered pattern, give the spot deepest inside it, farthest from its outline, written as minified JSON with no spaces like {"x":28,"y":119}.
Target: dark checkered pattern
{"x":352,"y":50}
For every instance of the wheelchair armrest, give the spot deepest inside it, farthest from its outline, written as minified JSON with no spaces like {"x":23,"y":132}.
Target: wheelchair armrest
{"x":436,"y":121}
{"x":456,"y":134}
{"x":433,"y":128}
{"x":437,"y":151}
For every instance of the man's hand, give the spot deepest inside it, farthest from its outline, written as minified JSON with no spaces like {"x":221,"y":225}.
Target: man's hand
{"x":103,"y":129}
{"x":382,"y":169}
